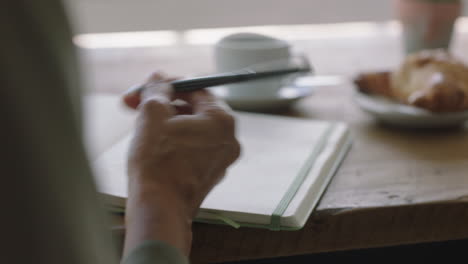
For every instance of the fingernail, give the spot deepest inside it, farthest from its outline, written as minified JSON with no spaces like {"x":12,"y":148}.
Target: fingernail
{"x":134,"y":89}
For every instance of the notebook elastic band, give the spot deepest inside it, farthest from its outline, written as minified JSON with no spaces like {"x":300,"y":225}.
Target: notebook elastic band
{"x":275,"y":223}
{"x":228,"y":221}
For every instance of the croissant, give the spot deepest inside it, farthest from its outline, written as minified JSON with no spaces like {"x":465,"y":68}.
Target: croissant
{"x":431,"y":79}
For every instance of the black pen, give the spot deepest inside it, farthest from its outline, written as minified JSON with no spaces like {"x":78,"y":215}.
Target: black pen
{"x":197,"y":83}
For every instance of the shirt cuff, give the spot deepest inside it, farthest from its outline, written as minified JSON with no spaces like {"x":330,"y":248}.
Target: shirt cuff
{"x":152,"y":252}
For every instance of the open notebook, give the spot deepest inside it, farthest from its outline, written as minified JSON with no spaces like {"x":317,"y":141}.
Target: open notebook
{"x":285,"y":166}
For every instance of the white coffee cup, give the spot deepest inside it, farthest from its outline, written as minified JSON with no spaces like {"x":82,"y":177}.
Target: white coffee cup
{"x":243,"y":50}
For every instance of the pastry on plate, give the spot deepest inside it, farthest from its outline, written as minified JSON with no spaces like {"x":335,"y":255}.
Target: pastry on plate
{"x":431,"y":79}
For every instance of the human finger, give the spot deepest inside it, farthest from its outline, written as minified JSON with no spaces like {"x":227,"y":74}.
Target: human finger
{"x":156,"y":101}
{"x":132,"y":97}
{"x":202,"y":100}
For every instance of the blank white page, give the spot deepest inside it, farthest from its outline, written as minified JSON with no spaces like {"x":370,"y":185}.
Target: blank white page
{"x":274,"y":149}
{"x":273,"y":152}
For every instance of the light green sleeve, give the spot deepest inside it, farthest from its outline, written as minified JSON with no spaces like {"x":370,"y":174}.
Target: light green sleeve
{"x":155,"y":252}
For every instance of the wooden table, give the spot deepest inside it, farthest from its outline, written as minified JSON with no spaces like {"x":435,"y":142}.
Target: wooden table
{"x":395,"y":186}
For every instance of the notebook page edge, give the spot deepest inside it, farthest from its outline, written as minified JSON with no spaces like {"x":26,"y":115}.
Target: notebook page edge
{"x":298,"y":217}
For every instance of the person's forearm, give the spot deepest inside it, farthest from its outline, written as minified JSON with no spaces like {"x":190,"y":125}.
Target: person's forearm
{"x":153,"y":214}
{"x":176,"y":157}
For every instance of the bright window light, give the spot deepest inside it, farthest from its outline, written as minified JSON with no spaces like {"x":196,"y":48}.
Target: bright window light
{"x":211,"y":36}
{"x":126,"y":39}
{"x":295,"y":32}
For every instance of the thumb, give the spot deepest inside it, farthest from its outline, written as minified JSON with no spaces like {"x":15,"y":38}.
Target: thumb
{"x":156,"y":88}
{"x":156,"y":102}
{"x":133,"y":97}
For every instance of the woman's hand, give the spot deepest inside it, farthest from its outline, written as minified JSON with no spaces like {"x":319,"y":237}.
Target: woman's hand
{"x":180,"y":150}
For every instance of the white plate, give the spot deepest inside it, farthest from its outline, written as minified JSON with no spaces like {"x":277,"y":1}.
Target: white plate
{"x":394,"y":113}
{"x":286,"y":96}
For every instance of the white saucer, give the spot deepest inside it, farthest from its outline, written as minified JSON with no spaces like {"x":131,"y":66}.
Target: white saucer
{"x":301,"y":87}
{"x":394,"y":113}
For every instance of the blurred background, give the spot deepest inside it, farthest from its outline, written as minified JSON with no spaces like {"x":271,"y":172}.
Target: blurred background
{"x":123,"y":15}
{"x":121,"y":41}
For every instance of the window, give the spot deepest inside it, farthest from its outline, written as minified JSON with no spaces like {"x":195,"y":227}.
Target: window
{"x":149,"y":15}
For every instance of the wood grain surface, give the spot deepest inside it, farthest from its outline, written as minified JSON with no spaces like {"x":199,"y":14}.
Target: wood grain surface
{"x":395,"y":186}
